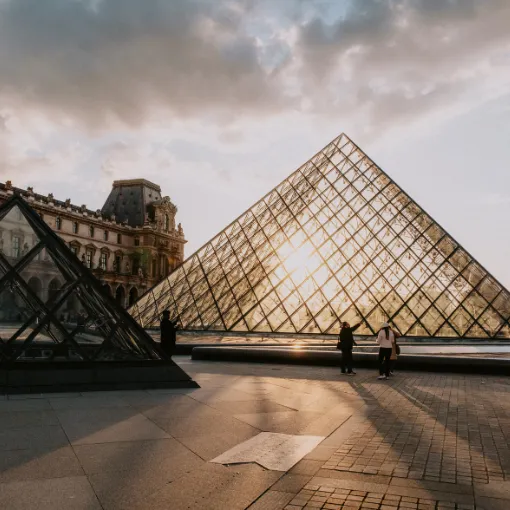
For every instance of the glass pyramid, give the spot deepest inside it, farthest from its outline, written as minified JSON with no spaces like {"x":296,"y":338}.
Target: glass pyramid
{"x":337,"y":240}
{"x":51,"y":307}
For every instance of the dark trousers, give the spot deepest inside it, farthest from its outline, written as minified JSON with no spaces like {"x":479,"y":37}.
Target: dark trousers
{"x":168,"y":348}
{"x":384,"y":361}
{"x":346,"y":362}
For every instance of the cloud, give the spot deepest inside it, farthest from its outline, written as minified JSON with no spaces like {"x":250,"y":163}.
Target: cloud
{"x":390,"y":61}
{"x":97,"y":62}
{"x":122,"y":59}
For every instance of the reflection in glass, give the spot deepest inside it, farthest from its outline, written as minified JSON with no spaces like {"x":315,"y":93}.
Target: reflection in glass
{"x":51,"y":309}
{"x":337,"y":240}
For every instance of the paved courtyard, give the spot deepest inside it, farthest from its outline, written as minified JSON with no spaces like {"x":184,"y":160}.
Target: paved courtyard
{"x":418,"y":441}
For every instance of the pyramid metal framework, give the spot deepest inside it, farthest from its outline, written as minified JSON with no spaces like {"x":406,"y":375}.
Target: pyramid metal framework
{"x":71,"y":319}
{"x":337,"y":240}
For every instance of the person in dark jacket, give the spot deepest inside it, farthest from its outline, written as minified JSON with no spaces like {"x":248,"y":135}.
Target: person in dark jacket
{"x":345,"y":344}
{"x":168,"y":333}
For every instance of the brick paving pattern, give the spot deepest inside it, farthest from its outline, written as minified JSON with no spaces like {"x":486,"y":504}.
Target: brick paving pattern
{"x":441,"y":428}
{"x":328,"y":498}
{"x":418,"y":441}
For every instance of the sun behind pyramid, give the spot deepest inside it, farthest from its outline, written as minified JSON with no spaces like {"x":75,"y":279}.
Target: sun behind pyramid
{"x":337,"y":240}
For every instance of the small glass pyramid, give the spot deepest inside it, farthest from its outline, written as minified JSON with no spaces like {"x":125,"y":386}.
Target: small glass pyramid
{"x":51,"y":307}
{"x":337,"y":240}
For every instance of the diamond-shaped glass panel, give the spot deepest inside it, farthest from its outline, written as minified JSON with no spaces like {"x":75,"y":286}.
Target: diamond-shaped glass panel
{"x":18,"y":237}
{"x":461,"y":320}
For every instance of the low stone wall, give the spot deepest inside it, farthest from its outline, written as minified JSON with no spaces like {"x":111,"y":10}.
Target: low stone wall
{"x":361,"y":360}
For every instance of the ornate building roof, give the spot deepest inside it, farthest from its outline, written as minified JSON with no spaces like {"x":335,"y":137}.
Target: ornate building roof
{"x":130,"y":200}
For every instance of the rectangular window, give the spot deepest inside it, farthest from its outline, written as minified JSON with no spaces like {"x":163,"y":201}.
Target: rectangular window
{"x":119,"y":238}
{"x":89,"y":259}
{"x":102,"y":261}
{"x":74,"y":249}
{"x":117,"y":264}
{"x":58,"y":223}
{"x":137,"y":241}
{"x":105,"y":235}
{"x":136,"y":265}
{"x":16,"y":247}
{"x":75,"y":227}
{"x":91,"y":231}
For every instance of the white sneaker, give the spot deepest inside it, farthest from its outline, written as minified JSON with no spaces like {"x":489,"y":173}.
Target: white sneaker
{"x":382,"y":377}
{"x":351,"y":373}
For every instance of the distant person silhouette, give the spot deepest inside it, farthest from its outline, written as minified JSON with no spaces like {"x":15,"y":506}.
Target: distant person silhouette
{"x":345,"y":344}
{"x":168,"y":330}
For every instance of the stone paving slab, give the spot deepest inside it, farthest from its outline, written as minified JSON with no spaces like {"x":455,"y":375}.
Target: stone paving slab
{"x":52,"y":494}
{"x":33,"y":464}
{"x":417,"y":441}
{"x":272,"y":499}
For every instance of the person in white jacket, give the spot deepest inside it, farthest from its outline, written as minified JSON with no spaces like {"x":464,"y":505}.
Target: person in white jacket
{"x":386,"y":340}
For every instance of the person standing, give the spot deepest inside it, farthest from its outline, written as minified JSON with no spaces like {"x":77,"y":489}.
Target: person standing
{"x":168,"y":330}
{"x":385,"y":339}
{"x":345,"y":344}
{"x":395,"y":350}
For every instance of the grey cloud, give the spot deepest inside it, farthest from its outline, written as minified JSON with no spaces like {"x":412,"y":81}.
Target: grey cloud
{"x":102,"y":60}
{"x":120,"y":58}
{"x":395,"y":59}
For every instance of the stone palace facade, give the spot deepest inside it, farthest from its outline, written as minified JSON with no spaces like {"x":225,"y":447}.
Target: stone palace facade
{"x":130,"y":244}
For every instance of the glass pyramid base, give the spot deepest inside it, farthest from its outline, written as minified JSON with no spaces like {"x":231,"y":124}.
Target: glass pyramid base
{"x":64,"y":376}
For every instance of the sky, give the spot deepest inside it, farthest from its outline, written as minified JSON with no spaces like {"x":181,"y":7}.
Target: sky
{"x":219,"y":100}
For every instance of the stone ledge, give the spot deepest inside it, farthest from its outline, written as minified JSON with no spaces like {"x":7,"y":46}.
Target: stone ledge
{"x":365,"y":360}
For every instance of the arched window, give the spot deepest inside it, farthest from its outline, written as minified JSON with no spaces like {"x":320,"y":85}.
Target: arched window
{"x":133,"y":296}
{"x":58,"y":223}
{"x":53,"y":288}
{"x":35,"y":284}
{"x":120,"y":295}
{"x":91,"y":231}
